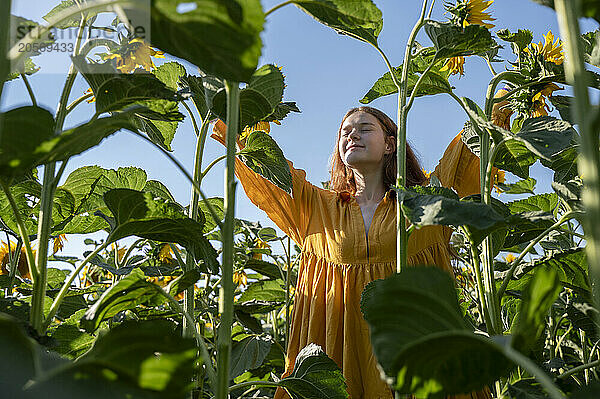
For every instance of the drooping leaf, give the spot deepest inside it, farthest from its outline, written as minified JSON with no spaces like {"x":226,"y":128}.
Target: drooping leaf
{"x":564,"y":164}
{"x":538,"y":297}
{"x":131,"y":291}
{"x":23,"y":130}
{"x":434,"y":82}
{"x":170,"y":73}
{"x":71,"y":341}
{"x":257,"y":307}
{"x":263,"y":156}
{"x":452,"y":41}
{"x":521,"y":39}
{"x":570,"y":192}
{"x":591,"y":47}
{"x":264,"y":290}
{"x":525,"y":186}
{"x":222,"y":38}
{"x":420,"y":338}
{"x":541,"y":202}
{"x":583,"y":316}
{"x":69,"y":23}
{"x":267,"y":269}
{"x":563,"y":105}
{"x":359,"y":19}
{"x":183,"y":282}
{"x":282,"y":110}
{"x":315,"y":376}
{"x":249,"y":353}
{"x":137,"y":213}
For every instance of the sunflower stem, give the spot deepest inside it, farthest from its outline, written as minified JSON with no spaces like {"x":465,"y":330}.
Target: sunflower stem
{"x":589,"y":157}
{"x":227,"y":288}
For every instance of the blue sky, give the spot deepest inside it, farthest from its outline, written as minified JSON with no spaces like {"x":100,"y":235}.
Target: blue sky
{"x":326,"y":74}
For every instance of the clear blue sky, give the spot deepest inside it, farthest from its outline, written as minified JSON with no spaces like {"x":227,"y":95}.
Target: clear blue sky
{"x":326,"y":74}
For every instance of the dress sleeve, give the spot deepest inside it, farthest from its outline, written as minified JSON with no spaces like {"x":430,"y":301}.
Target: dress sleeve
{"x":290,"y":213}
{"x":459,"y":167}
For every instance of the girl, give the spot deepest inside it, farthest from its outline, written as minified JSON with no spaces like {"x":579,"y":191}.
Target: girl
{"x":348,"y":238}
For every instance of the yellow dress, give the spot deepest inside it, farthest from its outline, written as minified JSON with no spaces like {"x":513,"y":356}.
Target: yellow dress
{"x":338,"y":260}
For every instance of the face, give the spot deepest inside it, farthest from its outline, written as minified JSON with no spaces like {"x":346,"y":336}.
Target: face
{"x":363,"y":143}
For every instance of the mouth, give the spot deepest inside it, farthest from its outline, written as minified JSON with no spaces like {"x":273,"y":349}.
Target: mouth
{"x":353,"y":147}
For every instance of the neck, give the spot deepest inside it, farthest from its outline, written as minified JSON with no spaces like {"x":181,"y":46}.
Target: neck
{"x":369,"y":186}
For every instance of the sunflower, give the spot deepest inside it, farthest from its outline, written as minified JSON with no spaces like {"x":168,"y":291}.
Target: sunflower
{"x":550,"y":50}
{"x":455,"y":65}
{"x":133,"y":54}
{"x":165,"y":255}
{"x":476,"y":14}
{"x":539,"y":105}
{"x":120,"y":251}
{"x":58,"y":243}
{"x":509,"y":258}
{"x":426,"y":173}
{"x":260,"y":244}
{"x":240,"y":278}
{"x":261,"y":125}
{"x":23,"y":265}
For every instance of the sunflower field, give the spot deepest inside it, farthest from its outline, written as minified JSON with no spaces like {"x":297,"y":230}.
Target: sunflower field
{"x":173,"y":300}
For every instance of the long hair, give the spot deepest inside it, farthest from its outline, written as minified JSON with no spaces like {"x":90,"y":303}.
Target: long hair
{"x":342,"y":177}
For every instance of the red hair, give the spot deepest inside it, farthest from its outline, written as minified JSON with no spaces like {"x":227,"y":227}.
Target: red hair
{"x":342,"y":177}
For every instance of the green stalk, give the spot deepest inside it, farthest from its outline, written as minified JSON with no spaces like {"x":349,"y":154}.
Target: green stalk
{"x":4,"y":35}
{"x":226,"y":294}
{"x":29,"y":90}
{"x":480,"y":287}
{"x":278,"y":6}
{"x":402,"y":236}
{"x":188,"y":295}
{"x":589,"y":158}
{"x":67,"y":284}
{"x":47,"y":201}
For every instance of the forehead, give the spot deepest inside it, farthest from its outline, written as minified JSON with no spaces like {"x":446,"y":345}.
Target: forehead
{"x":360,"y":118}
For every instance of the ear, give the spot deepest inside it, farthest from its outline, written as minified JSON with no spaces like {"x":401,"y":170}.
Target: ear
{"x":390,"y":144}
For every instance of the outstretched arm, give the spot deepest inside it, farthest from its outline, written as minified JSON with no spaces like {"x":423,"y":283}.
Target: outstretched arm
{"x":290,"y":213}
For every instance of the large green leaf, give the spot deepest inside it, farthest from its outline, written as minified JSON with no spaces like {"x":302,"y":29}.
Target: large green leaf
{"x":425,"y":206}
{"x":564,"y":163}
{"x":453,"y":41}
{"x":258,"y":100}
{"x":542,"y":202}
{"x":521,"y":39}
{"x":203,"y":89}
{"x":538,"y":297}
{"x":221,"y":37}
{"x":71,"y":341}
{"x":24,"y":130}
{"x":131,"y":291}
{"x":138,"y":213}
{"x":435,"y":82}
{"x":525,"y":186}
{"x":18,"y":357}
{"x":249,"y":353}
{"x":360,"y":19}
{"x":570,"y":192}
{"x":267,"y":269}
{"x":263,"y":155}
{"x":571,"y":266}
{"x":546,"y":136}
{"x":264,"y":290}
{"x":68,"y":23}
{"x":315,"y":376}
{"x":421,"y":339}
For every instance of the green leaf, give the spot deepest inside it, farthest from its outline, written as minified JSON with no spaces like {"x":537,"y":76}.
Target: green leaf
{"x":359,"y":19}
{"x":570,"y":192}
{"x":571,"y":266}
{"x":71,"y":341}
{"x":249,"y":353}
{"x":315,"y":376}
{"x":453,"y":41}
{"x":267,"y":269}
{"x":20,"y":28}
{"x":584,"y":316}
{"x":564,"y":163}
{"x":591,"y":48}
{"x":263,"y":156}
{"x":258,"y":100}
{"x":520,"y":39}
{"x":541,"y":202}
{"x":514,"y":157}
{"x":539,"y":295}
{"x":526,"y":226}
{"x":24,"y":130}
{"x":527,"y":388}
{"x":282,"y":110}
{"x":264,"y":290}
{"x":222,"y":38}
{"x":131,"y":291}
{"x":546,"y":136}
{"x":170,"y":73}
{"x":68,"y":23}
{"x":169,"y":373}
{"x":203,"y":90}
{"x":563,"y":105}
{"x":137,"y":213}
{"x":219,"y":208}
{"x":421,"y":339}
{"x":525,"y":186}
{"x":257,"y":307}
{"x":425,"y":206}
{"x":435,"y":82}
{"x":183,"y":282}
{"x":19,"y":359}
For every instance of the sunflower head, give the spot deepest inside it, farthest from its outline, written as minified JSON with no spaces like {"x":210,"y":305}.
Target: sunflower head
{"x":539,"y":107}
{"x":509,"y":258}
{"x":455,"y":65}
{"x":471,"y":12}
{"x":133,"y":54}
{"x":548,"y":49}
{"x":22,"y":266}
{"x":59,"y":242}
{"x":499,"y":178}
{"x":261,"y":125}
{"x":240,"y":278}
{"x":259,"y":244}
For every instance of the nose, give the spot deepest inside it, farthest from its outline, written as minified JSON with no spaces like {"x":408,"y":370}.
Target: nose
{"x":354,"y":135}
